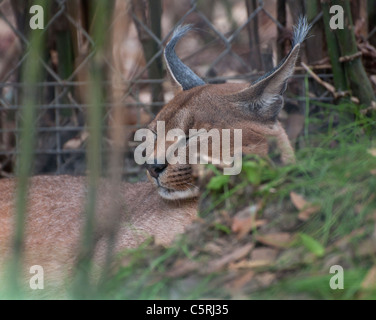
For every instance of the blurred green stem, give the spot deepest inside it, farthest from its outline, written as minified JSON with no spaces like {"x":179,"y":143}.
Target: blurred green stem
{"x":100,"y":12}
{"x":306,"y":113}
{"x":31,"y":75}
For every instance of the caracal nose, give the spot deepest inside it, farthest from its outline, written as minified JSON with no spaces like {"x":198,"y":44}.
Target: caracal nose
{"x":156,"y":169}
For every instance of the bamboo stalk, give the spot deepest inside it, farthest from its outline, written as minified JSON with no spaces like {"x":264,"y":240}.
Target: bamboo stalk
{"x":254,"y":39}
{"x":118,"y":134}
{"x":339,"y":76}
{"x":64,"y":47}
{"x":371,"y":8}
{"x":358,"y":79}
{"x":149,"y":14}
{"x":100,"y":12}
{"x":31,"y":74}
{"x":282,"y":42}
{"x":316,"y":48}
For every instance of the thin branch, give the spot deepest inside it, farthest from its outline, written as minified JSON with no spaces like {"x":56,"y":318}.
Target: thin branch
{"x":328,"y":86}
{"x":350,"y":57}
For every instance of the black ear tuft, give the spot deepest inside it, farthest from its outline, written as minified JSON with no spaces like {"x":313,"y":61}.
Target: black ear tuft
{"x":301,"y":31}
{"x":264,"y":97}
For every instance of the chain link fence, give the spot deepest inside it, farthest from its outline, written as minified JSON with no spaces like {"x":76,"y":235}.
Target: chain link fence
{"x":231,"y":41}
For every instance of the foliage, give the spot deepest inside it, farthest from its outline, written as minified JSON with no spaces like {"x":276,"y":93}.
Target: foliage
{"x":335,"y":170}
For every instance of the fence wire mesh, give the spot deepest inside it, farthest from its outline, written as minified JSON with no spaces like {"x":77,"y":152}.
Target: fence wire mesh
{"x":231,"y":41}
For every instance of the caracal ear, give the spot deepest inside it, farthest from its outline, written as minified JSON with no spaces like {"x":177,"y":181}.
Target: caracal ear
{"x":184,"y":77}
{"x":264,"y":97}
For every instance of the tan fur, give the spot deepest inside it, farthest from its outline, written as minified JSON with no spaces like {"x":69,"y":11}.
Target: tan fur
{"x":208,"y":107}
{"x":56,"y":203}
{"x":55,"y":218}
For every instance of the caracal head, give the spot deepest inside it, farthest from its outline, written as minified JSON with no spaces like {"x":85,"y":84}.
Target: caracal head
{"x":251,"y":108}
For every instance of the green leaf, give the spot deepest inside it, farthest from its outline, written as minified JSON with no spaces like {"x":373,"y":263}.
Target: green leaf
{"x":213,"y":168}
{"x":218,"y":182}
{"x":222,"y":227}
{"x":253,"y":172}
{"x":312,"y":245}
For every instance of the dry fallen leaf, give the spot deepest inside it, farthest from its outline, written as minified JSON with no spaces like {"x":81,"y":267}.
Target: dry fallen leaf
{"x":369,"y":282}
{"x":372,"y":216}
{"x":372,"y":152}
{"x":245,"y":220}
{"x":367,"y":248}
{"x":182,"y":267}
{"x":306,"y":208}
{"x":277,"y":240}
{"x":213,"y":248}
{"x":218,"y":264}
{"x":260,"y":257}
{"x":76,"y":143}
{"x":72,"y":144}
{"x":243,"y":226}
{"x":239,"y":282}
{"x":305,"y":214}
{"x":298,"y":201}
{"x":250,"y":264}
{"x":266,"y":254}
{"x":343,"y":242}
{"x":265,"y":279}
